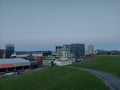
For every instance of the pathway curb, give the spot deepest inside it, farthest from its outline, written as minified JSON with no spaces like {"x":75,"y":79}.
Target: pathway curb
{"x":110,"y":80}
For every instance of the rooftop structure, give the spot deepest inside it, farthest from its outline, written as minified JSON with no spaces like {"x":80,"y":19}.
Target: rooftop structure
{"x":13,"y":62}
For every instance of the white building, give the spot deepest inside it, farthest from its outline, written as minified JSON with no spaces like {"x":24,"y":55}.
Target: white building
{"x":61,"y":57}
{"x":65,"y":59}
{"x":62,"y":62}
{"x":47,"y":61}
{"x":90,"y":49}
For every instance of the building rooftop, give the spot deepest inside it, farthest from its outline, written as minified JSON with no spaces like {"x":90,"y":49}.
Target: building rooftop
{"x":14,"y":61}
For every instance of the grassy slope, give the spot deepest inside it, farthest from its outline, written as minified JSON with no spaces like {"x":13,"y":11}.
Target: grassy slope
{"x":58,"y":78}
{"x":109,"y":64}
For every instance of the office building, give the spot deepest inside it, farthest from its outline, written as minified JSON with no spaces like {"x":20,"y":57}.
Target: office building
{"x":66,"y":47}
{"x":58,"y":49}
{"x":78,"y":50}
{"x":90,"y":49}
{"x":9,"y":50}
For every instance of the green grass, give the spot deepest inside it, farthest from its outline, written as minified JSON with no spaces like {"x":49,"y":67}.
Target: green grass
{"x":109,"y":64}
{"x":55,"y":78}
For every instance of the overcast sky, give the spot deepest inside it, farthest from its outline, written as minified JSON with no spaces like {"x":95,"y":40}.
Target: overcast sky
{"x":43,"y":24}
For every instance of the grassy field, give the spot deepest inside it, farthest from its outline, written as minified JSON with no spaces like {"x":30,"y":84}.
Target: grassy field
{"x":54,"y":78}
{"x":109,"y":64}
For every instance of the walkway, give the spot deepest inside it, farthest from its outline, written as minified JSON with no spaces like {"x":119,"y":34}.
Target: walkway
{"x":111,"y":81}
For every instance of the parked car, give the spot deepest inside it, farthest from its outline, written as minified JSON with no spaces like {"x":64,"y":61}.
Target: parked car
{"x":8,"y":74}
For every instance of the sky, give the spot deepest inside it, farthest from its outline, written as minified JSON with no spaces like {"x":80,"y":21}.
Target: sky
{"x":43,"y":24}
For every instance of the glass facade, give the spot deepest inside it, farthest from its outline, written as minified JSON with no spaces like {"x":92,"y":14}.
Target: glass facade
{"x":9,"y":50}
{"x":78,"y":50}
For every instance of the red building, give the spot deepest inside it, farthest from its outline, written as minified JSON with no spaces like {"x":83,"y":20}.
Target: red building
{"x":39,"y":60}
{"x":2,"y":53}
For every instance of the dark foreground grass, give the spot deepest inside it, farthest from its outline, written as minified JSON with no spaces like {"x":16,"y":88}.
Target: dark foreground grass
{"x":56,"y":78}
{"x":109,"y":64}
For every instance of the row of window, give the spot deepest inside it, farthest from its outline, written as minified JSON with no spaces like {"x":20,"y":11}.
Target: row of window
{"x":13,"y":69}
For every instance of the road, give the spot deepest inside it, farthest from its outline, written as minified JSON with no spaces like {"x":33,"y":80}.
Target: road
{"x":111,"y":81}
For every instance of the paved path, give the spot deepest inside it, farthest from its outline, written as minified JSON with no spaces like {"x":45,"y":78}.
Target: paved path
{"x":111,"y":81}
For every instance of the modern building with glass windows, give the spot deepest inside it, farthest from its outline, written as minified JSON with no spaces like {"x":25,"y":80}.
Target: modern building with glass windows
{"x":9,"y":50}
{"x":58,"y":48}
{"x":78,"y":50}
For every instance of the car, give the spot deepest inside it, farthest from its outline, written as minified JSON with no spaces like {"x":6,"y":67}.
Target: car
{"x":8,"y":74}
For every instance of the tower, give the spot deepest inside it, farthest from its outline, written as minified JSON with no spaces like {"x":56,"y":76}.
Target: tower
{"x":9,"y":50}
{"x":78,"y":50}
{"x":90,"y":49}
